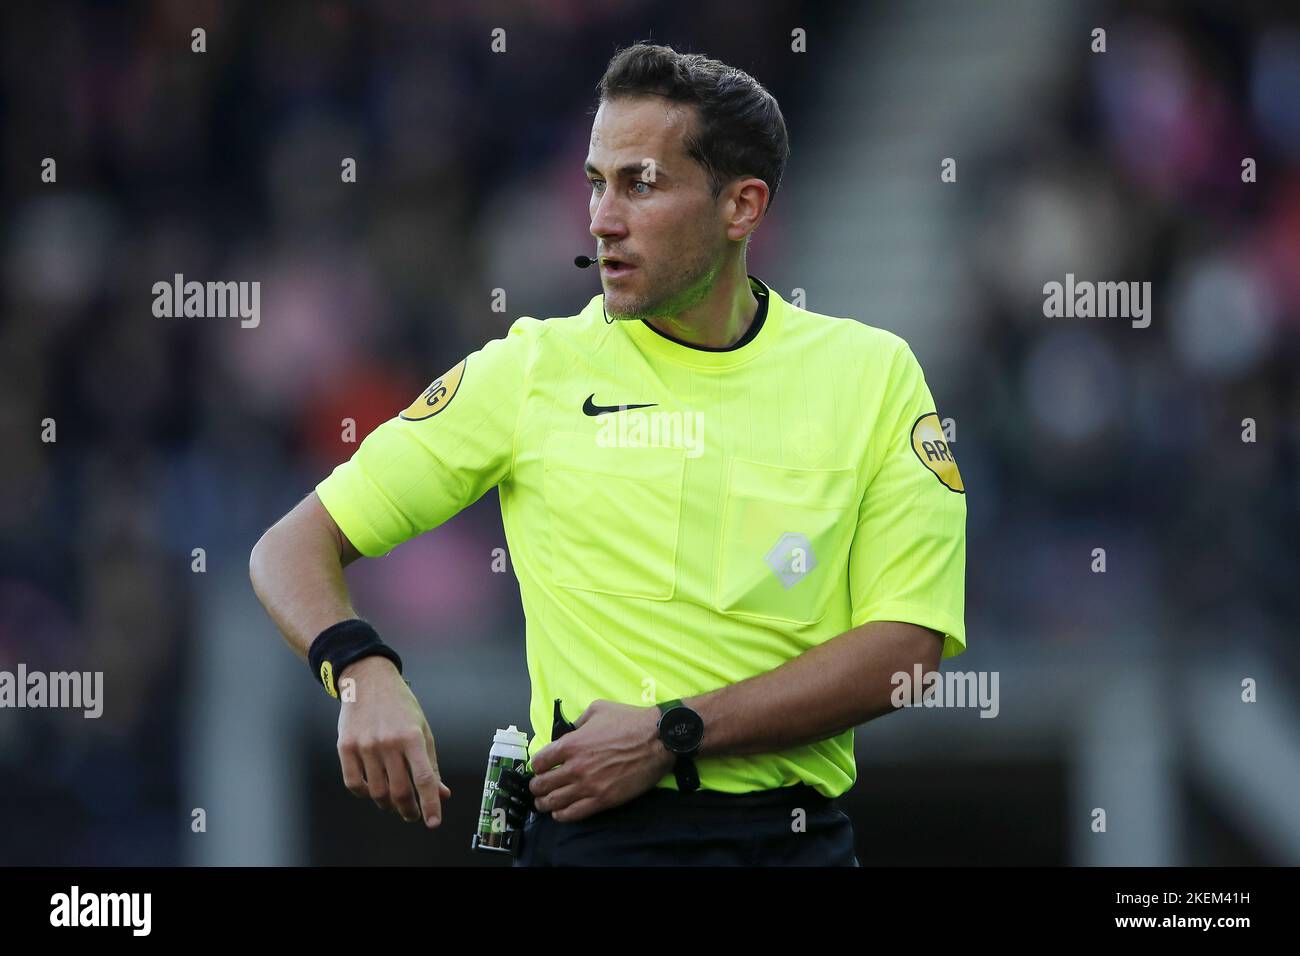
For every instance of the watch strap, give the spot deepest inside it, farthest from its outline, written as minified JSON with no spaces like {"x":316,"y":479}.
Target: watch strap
{"x":688,"y":778}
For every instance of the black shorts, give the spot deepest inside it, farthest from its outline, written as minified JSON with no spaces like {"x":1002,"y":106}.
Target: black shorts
{"x":667,"y":828}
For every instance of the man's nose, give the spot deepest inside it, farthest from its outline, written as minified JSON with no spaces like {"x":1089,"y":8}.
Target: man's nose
{"x":607,"y":220}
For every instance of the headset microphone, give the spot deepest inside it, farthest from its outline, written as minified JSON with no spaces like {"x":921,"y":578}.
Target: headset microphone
{"x":583,"y":262}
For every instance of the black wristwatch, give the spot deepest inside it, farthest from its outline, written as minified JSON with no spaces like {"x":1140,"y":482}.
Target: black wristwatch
{"x":682,"y":729}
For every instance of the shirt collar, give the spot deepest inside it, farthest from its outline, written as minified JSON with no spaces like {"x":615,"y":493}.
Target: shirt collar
{"x":762,"y":332}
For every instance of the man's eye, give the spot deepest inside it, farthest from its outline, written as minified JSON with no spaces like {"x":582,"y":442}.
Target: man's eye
{"x":642,"y":182}
{"x":596,"y":183}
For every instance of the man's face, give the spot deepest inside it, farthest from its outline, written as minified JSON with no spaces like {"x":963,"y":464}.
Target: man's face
{"x":651,"y":209}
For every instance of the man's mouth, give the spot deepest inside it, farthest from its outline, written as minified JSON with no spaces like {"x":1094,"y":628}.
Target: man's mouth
{"x":614,"y":268}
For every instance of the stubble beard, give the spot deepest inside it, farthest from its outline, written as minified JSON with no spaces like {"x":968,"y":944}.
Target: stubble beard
{"x":685,"y":290}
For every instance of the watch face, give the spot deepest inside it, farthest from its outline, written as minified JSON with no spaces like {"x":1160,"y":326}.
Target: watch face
{"x":681,"y":730}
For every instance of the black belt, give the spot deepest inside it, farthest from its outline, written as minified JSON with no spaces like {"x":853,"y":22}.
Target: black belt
{"x":662,"y":805}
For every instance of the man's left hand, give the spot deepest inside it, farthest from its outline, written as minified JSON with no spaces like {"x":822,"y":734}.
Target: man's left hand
{"x":615,"y":754}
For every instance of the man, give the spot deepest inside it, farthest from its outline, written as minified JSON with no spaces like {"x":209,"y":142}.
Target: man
{"x":732,"y":520}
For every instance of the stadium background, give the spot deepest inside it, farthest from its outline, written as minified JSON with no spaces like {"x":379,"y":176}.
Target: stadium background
{"x":1118,"y":690}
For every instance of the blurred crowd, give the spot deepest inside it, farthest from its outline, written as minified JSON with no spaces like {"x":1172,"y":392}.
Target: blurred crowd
{"x":181,"y":434}
{"x":1174,"y":158}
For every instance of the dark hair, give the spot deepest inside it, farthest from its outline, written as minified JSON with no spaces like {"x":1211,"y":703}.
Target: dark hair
{"x":739,"y":129}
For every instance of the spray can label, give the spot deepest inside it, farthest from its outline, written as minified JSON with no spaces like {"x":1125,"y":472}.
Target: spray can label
{"x":509,"y":751}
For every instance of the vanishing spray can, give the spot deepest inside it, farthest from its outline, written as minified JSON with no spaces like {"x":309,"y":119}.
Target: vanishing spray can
{"x":509,"y":751}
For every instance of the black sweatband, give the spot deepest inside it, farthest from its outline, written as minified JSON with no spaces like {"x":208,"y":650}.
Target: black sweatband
{"x":342,"y":644}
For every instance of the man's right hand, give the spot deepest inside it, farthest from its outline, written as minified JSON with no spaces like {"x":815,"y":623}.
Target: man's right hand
{"x":385,"y":745}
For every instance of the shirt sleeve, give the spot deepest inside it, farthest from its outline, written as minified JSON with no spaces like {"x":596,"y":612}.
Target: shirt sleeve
{"x":908,"y":557}
{"x":439,"y":454}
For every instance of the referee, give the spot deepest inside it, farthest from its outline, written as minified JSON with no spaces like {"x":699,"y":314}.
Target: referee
{"x":732,"y":520}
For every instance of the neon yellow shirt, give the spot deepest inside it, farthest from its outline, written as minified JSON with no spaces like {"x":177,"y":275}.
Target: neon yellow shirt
{"x":762,"y":500}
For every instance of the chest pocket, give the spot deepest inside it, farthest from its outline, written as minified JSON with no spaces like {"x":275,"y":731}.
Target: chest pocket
{"x":785,"y":538}
{"x":614,"y":514}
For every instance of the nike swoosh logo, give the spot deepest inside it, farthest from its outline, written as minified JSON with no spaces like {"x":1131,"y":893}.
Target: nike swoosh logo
{"x":590,"y":408}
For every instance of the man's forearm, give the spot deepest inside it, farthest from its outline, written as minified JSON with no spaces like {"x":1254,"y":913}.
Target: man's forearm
{"x":297,"y":572}
{"x":822,"y":692}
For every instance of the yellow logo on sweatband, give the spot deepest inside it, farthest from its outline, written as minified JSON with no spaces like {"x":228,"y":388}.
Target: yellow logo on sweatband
{"x":327,"y":678}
